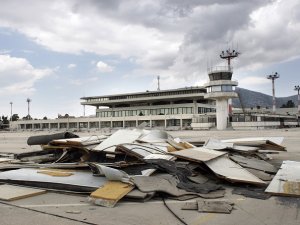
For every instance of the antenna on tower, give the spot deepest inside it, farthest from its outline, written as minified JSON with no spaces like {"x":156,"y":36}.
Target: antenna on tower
{"x":228,"y":55}
{"x":158,"y":85}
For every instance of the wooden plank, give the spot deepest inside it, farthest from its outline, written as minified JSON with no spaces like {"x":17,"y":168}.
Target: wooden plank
{"x":197,"y":154}
{"x":11,"y":192}
{"x":110,"y":193}
{"x":229,"y":170}
{"x":287,"y":180}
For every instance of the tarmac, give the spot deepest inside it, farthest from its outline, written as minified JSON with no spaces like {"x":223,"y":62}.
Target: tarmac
{"x":60,"y":208}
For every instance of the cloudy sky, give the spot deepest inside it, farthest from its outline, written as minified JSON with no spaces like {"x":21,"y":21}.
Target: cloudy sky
{"x":55,"y":52}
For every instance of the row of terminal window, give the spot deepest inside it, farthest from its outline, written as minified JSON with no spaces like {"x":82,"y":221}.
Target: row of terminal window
{"x":220,"y":88}
{"x":146,"y":112}
{"x":145,"y":95}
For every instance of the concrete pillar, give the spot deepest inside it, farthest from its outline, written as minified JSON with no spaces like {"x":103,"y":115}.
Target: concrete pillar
{"x":165,"y":123}
{"x":195,"y":107}
{"x":123,"y":123}
{"x":136,"y":123}
{"x":180,"y":123}
{"x":222,"y":113}
{"x":150,"y":123}
{"x":111,"y":124}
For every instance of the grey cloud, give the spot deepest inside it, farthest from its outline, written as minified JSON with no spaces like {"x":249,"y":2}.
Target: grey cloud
{"x":182,"y":35}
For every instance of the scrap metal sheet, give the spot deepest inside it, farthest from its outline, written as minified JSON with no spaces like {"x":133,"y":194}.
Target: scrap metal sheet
{"x":287,"y":180}
{"x":254,"y":163}
{"x":198,"y":154}
{"x":142,"y":150}
{"x":229,"y":170}
{"x":119,"y":137}
{"x":79,"y":180}
{"x":154,"y":136}
{"x":217,"y":144}
{"x":273,"y":143}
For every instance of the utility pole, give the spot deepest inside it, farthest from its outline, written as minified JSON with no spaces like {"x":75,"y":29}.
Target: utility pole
{"x":11,"y":103}
{"x":297,"y":88}
{"x":28,"y":100}
{"x":158,"y":85}
{"x":273,"y":77}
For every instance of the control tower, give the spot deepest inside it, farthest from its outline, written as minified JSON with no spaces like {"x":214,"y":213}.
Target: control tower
{"x":221,"y":88}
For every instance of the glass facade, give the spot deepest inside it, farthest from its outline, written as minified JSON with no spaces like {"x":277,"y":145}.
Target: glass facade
{"x":220,"y":88}
{"x":146,"y":112}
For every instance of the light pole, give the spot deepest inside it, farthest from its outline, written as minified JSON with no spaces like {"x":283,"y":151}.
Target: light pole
{"x":297,"y":88}
{"x":28,"y":100}
{"x":273,"y":77}
{"x":11,"y":103}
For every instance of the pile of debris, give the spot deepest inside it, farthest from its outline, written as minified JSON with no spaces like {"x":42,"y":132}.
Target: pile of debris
{"x":142,"y":164}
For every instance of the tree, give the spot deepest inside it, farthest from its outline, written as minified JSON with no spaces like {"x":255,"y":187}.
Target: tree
{"x":15,"y":117}
{"x":28,"y":117}
{"x":45,"y":118}
{"x":289,"y":104}
{"x":5,"y":120}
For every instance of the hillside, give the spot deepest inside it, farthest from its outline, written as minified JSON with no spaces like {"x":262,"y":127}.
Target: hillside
{"x":253,"y":99}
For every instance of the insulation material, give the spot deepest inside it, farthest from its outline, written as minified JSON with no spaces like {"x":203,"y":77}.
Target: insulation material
{"x":287,"y":180}
{"x":229,"y":170}
{"x":11,"y":192}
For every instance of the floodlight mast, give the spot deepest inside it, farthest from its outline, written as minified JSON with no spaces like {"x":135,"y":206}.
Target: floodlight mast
{"x":11,"y":103}
{"x":297,"y":88}
{"x":28,"y":100}
{"x":228,"y":55}
{"x":273,"y":77}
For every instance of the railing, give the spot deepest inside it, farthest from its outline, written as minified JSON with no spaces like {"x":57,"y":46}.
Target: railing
{"x":219,"y":69}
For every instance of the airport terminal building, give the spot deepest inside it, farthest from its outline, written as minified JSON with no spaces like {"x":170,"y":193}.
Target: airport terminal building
{"x":168,"y":109}
{"x":174,"y":109}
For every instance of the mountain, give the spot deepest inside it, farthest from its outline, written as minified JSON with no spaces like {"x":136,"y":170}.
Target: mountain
{"x":253,"y":99}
